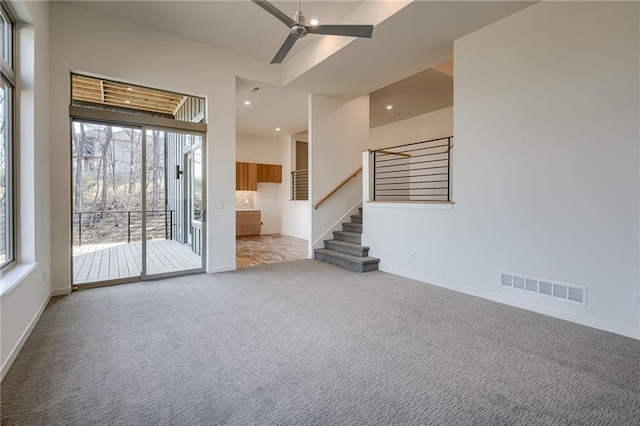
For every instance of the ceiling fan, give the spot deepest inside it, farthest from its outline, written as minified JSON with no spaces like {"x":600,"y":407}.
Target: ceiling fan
{"x":298,"y":29}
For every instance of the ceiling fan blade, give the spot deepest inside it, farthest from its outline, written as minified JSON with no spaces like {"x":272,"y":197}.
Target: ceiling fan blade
{"x":275,"y":12}
{"x":365,"y":31}
{"x":284,"y":49}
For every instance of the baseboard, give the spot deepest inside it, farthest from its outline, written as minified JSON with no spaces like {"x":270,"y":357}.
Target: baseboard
{"x":60,"y":292}
{"x":16,"y":349}
{"x":221,"y":269}
{"x":544,"y":310}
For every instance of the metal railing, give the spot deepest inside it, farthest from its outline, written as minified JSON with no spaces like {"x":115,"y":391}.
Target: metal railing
{"x":419,"y":171}
{"x":95,"y":227}
{"x":300,"y":184}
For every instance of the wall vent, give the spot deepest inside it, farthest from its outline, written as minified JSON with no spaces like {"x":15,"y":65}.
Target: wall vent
{"x":549,"y":288}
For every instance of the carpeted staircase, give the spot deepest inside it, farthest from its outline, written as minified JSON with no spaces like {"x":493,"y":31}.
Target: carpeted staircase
{"x":345,"y":249}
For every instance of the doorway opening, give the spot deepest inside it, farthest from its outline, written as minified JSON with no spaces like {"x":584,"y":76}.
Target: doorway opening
{"x":138,"y":193}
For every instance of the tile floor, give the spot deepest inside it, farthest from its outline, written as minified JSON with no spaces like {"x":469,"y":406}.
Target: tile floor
{"x":272,"y":248}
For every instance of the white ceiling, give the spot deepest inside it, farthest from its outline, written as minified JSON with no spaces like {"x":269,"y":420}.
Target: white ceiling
{"x":270,"y":107}
{"x":239,"y":26}
{"x":426,"y":91}
{"x":417,"y":37}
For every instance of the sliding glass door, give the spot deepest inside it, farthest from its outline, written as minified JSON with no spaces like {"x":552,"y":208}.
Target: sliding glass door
{"x":138,"y":196}
{"x":174,"y":195}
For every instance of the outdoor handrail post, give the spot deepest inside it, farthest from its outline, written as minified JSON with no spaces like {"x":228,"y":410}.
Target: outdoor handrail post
{"x":129,"y":226}
{"x":79,"y":229}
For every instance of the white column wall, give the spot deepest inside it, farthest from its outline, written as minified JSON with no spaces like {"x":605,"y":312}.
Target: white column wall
{"x":338,"y":133}
{"x":545,"y":167}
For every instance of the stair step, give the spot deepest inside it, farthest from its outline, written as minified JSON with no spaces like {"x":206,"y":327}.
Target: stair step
{"x":352,"y":227}
{"x":355,"y":263}
{"x":347,"y":247}
{"x":351,"y":237}
{"x":356,"y":218}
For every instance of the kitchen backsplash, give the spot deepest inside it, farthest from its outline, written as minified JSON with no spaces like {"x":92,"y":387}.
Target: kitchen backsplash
{"x":245,"y":200}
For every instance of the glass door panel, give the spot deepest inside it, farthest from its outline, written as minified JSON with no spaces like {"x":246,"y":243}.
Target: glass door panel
{"x":173,"y":189}
{"x":106,"y":202}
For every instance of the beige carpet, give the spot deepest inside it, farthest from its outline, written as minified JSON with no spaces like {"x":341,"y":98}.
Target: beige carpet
{"x":308,"y":343}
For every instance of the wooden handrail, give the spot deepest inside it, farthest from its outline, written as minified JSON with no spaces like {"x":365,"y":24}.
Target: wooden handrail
{"x":343,"y":183}
{"x":300,"y":171}
{"x":400,"y":154}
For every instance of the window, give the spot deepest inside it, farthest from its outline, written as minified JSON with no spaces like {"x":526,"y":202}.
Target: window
{"x":7,"y":184}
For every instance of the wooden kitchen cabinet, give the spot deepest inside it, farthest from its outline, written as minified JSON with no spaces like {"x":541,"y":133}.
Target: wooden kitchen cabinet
{"x":247,"y":222}
{"x":246,"y":177}
{"x":270,"y":173}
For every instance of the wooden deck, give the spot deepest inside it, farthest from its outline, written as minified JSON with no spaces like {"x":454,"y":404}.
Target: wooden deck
{"x":101,"y":262}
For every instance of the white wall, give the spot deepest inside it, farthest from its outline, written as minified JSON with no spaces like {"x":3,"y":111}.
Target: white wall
{"x":267,"y":150}
{"x":89,"y":42}
{"x":546,"y":177}
{"x":295,"y":220}
{"x":21,"y":306}
{"x":415,"y":129}
{"x":338,"y":133}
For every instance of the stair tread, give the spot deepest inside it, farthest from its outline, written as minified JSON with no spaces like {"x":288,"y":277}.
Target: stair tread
{"x":355,"y":259}
{"x":348,"y":233}
{"x":346,"y":244}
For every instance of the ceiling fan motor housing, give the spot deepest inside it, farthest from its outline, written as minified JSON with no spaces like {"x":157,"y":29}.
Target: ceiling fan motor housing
{"x":299,"y":31}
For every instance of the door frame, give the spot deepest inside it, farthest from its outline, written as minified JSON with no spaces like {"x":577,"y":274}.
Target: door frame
{"x":143,"y":123}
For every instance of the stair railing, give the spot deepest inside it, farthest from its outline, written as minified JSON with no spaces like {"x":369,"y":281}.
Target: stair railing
{"x":300,"y":184}
{"x":419,"y":171}
{"x":340,"y":185}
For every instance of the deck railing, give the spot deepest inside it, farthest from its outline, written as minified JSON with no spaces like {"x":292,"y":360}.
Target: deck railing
{"x":95,"y":227}
{"x":300,"y":184}
{"x":417,"y":171}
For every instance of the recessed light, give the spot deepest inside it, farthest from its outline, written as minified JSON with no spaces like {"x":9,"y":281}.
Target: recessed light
{"x":313,"y":22}
{"x":129,"y":88}
{"x":389,"y":106}
{"x":127,"y":102}
{"x":247,"y":102}
{"x":277,"y":129}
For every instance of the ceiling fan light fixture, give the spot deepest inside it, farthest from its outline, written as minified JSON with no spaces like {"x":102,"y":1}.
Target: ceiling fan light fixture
{"x":313,"y":21}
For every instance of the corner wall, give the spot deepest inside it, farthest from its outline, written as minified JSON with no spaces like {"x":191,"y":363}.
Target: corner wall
{"x":545,"y":167}
{"x":415,"y":129}
{"x":21,"y":306}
